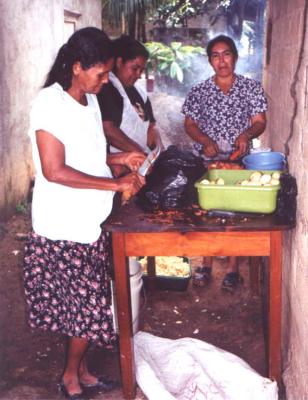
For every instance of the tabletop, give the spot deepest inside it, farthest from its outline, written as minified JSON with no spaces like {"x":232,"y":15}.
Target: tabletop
{"x":132,"y":218}
{"x":194,"y":232}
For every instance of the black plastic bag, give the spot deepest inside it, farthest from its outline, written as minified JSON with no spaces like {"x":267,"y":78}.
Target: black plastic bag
{"x":286,"y":199}
{"x":170,"y":185}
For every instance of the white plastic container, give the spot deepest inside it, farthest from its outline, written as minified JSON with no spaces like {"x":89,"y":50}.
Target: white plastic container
{"x":260,"y":150}
{"x":135,"y":273}
{"x":135,"y":290}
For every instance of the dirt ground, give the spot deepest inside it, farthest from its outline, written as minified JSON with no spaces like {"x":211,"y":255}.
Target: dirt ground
{"x":31,"y":361}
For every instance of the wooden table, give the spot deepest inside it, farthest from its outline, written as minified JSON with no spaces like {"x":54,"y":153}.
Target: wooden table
{"x":189,"y":233}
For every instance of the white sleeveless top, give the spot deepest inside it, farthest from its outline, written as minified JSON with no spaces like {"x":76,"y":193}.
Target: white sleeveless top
{"x":60,"y":212}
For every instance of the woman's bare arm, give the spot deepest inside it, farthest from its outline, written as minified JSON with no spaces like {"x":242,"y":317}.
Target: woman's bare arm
{"x":54,"y":168}
{"x":154,"y":138}
{"x":117,"y":138}
{"x":210,"y":148}
{"x":257,"y":127}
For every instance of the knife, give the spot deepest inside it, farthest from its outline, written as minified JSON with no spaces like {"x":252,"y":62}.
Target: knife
{"x":225,"y":213}
{"x":152,"y":156}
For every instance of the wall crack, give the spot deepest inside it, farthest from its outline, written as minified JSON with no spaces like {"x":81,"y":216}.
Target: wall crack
{"x":295,"y":80}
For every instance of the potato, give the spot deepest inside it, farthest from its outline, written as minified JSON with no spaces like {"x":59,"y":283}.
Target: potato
{"x":244,"y":182}
{"x":274,"y":182}
{"x":266,"y":178}
{"x":255,"y":176}
{"x":220,"y":181}
{"x":205,"y":182}
{"x":276,"y":175}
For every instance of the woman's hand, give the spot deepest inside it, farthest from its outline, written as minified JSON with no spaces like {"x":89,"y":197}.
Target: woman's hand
{"x":242,"y":143}
{"x":129,"y":185}
{"x":258,"y":124}
{"x":210,"y":148}
{"x":133,"y":160}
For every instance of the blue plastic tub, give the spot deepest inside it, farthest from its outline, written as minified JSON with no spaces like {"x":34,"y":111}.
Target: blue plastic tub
{"x":270,"y":160}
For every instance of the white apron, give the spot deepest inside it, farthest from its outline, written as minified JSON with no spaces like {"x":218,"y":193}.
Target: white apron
{"x":132,"y":125}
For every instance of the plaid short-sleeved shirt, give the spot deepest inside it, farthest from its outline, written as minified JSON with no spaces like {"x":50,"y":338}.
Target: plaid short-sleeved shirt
{"x":224,"y":116}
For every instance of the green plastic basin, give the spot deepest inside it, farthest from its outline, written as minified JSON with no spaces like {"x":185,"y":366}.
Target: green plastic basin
{"x":231,"y":197}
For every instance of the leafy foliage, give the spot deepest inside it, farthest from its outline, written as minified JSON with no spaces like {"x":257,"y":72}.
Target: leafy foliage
{"x":117,"y":8}
{"x":175,"y":13}
{"x":170,"y":12}
{"x":171,"y":60}
{"x":131,"y":15}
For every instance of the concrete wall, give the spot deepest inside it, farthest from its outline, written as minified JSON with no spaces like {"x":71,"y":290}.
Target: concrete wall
{"x":285,"y":81}
{"x":31,"y":31}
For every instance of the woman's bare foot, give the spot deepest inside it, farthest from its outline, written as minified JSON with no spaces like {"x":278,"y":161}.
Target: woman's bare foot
{"x":86,"y":378}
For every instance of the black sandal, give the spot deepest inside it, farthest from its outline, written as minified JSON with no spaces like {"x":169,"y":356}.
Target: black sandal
{"x":231,"y":280}
{"x":202,"y":276}
{"x":75,"y":396}
{"x":103,"y":384}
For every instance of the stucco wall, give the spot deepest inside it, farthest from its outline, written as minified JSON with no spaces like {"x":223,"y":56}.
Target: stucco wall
{"x":31,"y":31}
{"x":285,"y":81}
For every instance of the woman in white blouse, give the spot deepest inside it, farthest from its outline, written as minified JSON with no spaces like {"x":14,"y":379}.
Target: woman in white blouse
{"x":66,"y":263}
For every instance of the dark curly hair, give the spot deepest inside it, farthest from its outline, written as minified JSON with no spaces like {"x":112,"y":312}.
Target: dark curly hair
{"x":89,"y":46}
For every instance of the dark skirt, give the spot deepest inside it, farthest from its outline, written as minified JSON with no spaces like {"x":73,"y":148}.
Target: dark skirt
{"x":67,"y":287}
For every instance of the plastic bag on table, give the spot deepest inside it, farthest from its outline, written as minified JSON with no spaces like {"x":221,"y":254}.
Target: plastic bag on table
{"x":190,"y":369}
{"x":286,"y":199}
{"x":170,"y":185}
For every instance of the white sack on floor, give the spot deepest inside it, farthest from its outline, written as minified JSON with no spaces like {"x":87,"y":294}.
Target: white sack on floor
{"x":190,"y":369}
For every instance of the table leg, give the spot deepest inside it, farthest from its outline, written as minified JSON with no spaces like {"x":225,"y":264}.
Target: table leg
{"x":123,"y":299}
{"x":275,"y":273}
{"x":254,"y":275}
{"x":151,"y":274}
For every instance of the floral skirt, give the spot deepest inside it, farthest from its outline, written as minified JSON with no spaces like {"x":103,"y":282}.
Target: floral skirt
{"x":67,"y":287}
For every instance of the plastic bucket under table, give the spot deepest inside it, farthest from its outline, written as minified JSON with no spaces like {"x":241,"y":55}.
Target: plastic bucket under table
{"x":136,"y":283}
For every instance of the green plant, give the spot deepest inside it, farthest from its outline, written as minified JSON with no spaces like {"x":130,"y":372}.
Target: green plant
{"x":130,"y":15}
{"x":171,"y":60}
{"x":176,"y":13}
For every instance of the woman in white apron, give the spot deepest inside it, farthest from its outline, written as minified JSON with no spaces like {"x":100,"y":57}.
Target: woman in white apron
{"x":127,"y":114}
{"x":66,"y":259}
